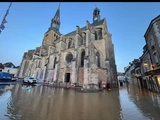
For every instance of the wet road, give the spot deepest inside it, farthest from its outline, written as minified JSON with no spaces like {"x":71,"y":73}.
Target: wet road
{"x":22,"y":102}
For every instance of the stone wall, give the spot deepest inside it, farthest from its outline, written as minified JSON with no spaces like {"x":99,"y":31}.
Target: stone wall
{"x":93,"y":76}
{"x":81,"y":75}
{"x":102,"y":75}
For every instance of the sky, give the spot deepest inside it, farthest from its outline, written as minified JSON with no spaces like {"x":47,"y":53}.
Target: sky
{"x":27,"y":23}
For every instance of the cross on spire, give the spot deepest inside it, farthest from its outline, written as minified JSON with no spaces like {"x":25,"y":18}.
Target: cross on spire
{"x":59,"y":4}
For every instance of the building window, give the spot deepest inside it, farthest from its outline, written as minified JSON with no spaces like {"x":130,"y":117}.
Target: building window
{"x":96,"y":36}
{"x":47,"y":61}
{"x":55,"y":60}
{"x":155,"y":57}
{"x":69,"y":57}
{"x":69,"y":44}
{"x":100,"y":33}
{"x":82,"y":58}
{"x":158,"y":80}
{"x":84,"y":37}
{"x":98,"y":59}
{"x":146,"y":68}
{"x":39,"y":63}
{"x":151,"y":42}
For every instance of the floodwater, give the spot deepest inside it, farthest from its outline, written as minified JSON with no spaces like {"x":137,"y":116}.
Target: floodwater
{"x":21,"y":102}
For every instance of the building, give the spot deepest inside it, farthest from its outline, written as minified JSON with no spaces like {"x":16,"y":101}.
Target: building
{"x":152,"y":64}
{"x":84,"y":56}
{"x":145,"y":66}
{"x":1,"y":67}
{"x":121,"y":78}
{"x":10,"y":68}
{"x":146,"y":72}
{"x":132,"y":72}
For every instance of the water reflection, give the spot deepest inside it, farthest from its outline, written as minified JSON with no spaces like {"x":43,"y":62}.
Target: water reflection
{"x":48,"y":103}
{"x":4,"y":100}
{"x":22,"y":102}
{"x":140,"y":104}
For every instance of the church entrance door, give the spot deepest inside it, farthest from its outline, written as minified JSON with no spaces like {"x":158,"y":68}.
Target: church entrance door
{"x":67,"y":77}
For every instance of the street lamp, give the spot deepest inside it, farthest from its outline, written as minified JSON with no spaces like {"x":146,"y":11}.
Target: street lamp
{"x":145,"y":64}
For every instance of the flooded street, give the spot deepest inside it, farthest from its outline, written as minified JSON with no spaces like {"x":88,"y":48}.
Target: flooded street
{"x":21,"y":102}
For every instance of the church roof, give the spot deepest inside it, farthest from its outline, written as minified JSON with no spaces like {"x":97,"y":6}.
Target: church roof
{"x":84,"y":28}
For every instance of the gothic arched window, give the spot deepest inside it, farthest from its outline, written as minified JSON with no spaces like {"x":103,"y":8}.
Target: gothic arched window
{"x":84,"y":37}
{"x":96,"y":35}
{"x":99,"y":33}
{"x":55,"y":60}
{"x":82,"y":58}
{"x":98,"y":59}
{"x":69,"y":43}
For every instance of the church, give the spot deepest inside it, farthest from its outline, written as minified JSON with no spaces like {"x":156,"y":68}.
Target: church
{"x":84,"y":57}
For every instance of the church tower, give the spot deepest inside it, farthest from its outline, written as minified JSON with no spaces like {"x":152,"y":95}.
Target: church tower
{"x":55,"y":22}
{"x":53,"y":32}
{"x":96,"y":15}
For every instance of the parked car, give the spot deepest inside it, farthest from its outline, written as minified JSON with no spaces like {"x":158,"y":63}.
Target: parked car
{"x":30,"y":80}
{"x":5,"y":77}
{"x":14,"y":79}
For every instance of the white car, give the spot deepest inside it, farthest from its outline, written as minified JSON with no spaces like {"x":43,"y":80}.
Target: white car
{"x":30,"y":80}
{"x":14,"y":79}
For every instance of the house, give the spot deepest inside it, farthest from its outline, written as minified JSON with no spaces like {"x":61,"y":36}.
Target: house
{"x":10,"y":68}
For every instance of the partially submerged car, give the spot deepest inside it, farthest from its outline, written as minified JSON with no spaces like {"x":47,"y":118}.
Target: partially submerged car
{"x":30,"y":80}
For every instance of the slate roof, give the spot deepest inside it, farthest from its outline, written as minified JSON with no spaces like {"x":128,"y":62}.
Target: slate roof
{"x":151,"y":23}
{"x":84,"y":28}
{"x":9,"y":64}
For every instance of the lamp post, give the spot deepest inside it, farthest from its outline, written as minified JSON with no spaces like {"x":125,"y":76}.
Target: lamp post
{"x":145,"y":64}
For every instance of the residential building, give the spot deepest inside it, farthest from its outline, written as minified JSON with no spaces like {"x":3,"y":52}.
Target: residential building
{"x":147,"y":70}
{"x":152,"y":39}
{"x":10,"y":68}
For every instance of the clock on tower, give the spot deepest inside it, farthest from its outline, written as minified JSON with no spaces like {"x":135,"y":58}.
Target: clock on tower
{"x":96,"y":15}
{"x":95,"y":18}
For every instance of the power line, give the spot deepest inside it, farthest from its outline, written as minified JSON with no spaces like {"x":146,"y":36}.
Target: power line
{"x":24,"y":36}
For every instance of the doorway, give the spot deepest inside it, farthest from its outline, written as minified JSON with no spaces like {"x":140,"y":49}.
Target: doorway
{"x":67,"y":77}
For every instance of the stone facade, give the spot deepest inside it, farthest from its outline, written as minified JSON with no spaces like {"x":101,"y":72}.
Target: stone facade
{"x":84,"y":56}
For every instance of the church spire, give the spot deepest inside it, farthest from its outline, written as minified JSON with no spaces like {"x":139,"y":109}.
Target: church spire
{"x":55,"y":22}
